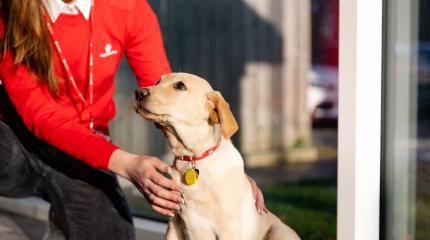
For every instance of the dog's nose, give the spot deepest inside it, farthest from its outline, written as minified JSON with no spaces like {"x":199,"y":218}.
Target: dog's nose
{"x":141,"y":93}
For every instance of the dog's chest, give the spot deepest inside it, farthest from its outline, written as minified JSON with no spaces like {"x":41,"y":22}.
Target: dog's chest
{"x":208,"y":198}
{"x":210,"y":212}
{"x":198,"y":213}
{"x":220,"y":203}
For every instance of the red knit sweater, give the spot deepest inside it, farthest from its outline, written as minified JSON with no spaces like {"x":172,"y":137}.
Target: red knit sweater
{"x":128,"y":27}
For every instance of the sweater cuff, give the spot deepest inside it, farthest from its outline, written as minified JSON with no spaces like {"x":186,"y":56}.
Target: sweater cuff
{"x":99,"y":154}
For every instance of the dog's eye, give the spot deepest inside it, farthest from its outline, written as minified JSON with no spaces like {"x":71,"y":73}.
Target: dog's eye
{"x":179,"y":86}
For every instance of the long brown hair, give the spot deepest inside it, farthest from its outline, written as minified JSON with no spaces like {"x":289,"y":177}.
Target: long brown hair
{"x":26,"y":36}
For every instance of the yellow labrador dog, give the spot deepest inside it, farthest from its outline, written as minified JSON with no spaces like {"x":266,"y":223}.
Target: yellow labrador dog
{"x":218,"y":198}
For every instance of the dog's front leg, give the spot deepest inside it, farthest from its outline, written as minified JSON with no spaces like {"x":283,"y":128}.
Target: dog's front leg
{"x":173,"y":231}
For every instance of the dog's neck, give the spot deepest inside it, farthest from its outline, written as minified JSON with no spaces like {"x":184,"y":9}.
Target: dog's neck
{"x":185,"y":140}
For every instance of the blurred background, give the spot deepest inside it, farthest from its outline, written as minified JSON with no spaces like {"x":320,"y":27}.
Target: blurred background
{"x":275,"y":62}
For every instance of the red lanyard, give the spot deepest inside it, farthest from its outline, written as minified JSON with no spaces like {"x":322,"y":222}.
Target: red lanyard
{"x":66,"y":67}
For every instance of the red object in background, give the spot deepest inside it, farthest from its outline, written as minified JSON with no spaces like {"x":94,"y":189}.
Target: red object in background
{"x":323,"y":92}
{"x":325,"y":32}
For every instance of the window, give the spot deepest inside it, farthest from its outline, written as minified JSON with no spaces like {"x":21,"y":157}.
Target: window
{"x":275,"y":62}
{"x":406,"y":161}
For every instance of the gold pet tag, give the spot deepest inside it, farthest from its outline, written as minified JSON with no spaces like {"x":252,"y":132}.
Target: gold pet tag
{"x":191,"y":176}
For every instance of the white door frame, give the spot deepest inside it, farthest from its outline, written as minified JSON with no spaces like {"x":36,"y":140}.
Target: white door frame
{"x":359,"y":140}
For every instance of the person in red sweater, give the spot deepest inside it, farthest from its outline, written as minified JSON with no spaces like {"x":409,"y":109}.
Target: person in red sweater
{"x":57,"y":67}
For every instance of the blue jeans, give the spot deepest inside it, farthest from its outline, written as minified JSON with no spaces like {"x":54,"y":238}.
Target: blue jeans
{"x":86,"y":203}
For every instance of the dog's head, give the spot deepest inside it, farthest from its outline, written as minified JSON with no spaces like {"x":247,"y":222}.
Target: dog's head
{"x":182,"y":98}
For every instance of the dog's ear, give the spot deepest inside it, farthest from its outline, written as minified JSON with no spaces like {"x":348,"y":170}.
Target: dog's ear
{"x":222,"y":114}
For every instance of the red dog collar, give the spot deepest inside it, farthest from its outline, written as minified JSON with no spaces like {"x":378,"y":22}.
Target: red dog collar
{"x":205,"y":154}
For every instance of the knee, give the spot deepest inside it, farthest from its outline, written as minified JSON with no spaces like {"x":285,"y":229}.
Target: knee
{"x":4,"y":129}
{"x":9,"y":146}
{"x":8,"y":137}
{"x":2,"y":125}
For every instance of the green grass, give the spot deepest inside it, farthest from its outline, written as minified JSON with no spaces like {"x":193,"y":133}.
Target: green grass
{"x":309,"y":208}
{"x":422,"y":219}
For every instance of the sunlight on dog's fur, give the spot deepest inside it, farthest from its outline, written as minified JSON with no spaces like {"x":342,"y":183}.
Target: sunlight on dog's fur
{"x":220,"y":204}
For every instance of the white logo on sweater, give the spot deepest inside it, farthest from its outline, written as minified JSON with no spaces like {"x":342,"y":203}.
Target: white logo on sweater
{"x":108,"y":51}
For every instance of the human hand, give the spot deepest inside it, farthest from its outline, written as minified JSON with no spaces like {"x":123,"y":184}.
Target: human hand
{"x":258,"y":196}
{"x":162,"y":193}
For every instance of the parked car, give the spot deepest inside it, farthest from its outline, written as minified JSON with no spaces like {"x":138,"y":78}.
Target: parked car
{"x":323,"y":95}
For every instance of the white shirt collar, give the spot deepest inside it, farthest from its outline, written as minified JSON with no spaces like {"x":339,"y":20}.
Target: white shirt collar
{"x":56,"y":7}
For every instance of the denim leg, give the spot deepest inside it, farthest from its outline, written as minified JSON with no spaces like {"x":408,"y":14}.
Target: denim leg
{"x":87,"y":203}
{"x":19,"y":172}
{"x":84,"y":211}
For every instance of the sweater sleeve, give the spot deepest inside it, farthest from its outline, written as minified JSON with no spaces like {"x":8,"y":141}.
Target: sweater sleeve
{"x":144,"y":45}
{"x":47,"y":119}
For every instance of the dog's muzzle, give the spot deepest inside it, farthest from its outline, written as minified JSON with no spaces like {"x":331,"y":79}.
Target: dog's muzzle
{"x":141,"y":93}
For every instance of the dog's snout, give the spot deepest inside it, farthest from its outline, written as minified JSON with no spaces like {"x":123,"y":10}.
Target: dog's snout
{"x":141,"y":93}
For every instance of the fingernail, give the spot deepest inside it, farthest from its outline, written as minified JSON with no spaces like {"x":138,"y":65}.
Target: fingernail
{"x":259,"y":211}
{"x":172,"y":215}
{"x":182,"y":201}
{"x":178,"y":207}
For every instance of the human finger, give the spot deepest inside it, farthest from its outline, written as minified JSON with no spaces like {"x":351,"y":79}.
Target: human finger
{"x":259,"y":202}
{"x":159,"y":165}
{"x":164,"y":182}
{"x":162,"y":210}
{"x":171,"y":196}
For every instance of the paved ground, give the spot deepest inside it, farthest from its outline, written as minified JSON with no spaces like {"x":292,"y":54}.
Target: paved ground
{"x":16,"y":227}
{"x":306,"y":172}
{"x":325,"y":141}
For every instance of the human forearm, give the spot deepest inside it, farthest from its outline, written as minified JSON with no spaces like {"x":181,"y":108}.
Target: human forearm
{"x":118,"y":162}
{"x":144,"y":172}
